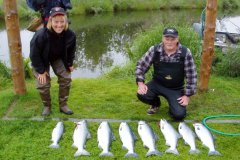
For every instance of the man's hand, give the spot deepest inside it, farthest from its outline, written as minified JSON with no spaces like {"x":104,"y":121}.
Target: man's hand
{"x":184,"y":100}
{"x":42,"y":78}
{"x":142,"y":88}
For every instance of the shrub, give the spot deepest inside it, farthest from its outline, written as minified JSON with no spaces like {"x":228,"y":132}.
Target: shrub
{"x":4,"y":71}
{"x":230,"y":64}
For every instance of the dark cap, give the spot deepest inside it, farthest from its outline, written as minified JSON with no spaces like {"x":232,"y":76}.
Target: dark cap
{"x":57,"y":11}
{"x":170,"y":32}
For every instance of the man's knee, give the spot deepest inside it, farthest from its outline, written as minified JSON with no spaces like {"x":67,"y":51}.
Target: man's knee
{"x":180,"y":115}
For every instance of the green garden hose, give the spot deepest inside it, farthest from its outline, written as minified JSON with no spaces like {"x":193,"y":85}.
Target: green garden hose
{"x":219,"y":132}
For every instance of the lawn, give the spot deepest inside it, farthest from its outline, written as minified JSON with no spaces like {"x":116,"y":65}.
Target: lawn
{"x":111,"y":99}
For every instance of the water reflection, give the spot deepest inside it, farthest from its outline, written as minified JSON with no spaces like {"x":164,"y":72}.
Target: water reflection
{"x":101,"y":39}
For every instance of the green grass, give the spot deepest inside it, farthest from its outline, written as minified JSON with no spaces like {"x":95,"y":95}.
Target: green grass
{"x":113,"y":96}
{"x":24,"y":142}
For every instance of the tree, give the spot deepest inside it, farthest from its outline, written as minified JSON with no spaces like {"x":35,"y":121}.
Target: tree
{"x":15,"y":46}
{"x":208,"y":44}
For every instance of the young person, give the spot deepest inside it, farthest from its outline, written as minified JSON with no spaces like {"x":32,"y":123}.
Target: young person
{"x":54,"y":45}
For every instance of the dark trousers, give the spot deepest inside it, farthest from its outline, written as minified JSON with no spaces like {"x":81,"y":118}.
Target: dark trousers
{"x":155,"y":90}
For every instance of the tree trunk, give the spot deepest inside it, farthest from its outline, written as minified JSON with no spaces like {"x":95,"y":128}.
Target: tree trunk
{"x":15,"y":47}
{"x":208,"y":44}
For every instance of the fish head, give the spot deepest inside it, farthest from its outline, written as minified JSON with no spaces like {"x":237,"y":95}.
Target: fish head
{"x":60,"y":124}
{"x":181,"y":126}
{"x":104,"y":124}
{"x":83,"y":121}
{"x":162,"y":124}
{"x":122,"y":125}
{"x":140,"y":124}
{"x":198,"y":126}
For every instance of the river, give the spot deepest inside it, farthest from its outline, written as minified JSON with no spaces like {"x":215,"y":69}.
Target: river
{"x":102,"y":38}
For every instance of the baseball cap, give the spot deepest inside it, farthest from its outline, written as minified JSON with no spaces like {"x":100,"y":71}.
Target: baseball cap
{"x":57,"y":11}
{"x":170,"y":32}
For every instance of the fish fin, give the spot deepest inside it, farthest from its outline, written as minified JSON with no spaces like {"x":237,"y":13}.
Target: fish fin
{"x":106,"y":154}
{"x":74,"y":145}
{"x":185,"y":142}
{"x":113,"y":137}
{"x":53,"y":145}
{"x":167,"y":144}
{"x":175,"y":151}
{"x":155,"y":136}
{"x":89,"y":135}
{"x":179,"y":136}
{"x":134,"y":137}
{"x":131,"y":155}
{"x":81,"y":153}
{"x":214,"y":153}
{"x":124,"y":147}
{"x":196,"y":151}
{"x":154,"y":152}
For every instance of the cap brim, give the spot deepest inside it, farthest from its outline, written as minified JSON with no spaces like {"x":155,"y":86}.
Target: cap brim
{"x":59,"y":13}
{"x":170,"y":35}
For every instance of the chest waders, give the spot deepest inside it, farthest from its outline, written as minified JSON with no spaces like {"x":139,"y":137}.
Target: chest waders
{"x":169,"y":74}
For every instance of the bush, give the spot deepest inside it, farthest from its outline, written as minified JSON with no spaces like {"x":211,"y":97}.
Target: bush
{"x":153,"y":36}
{"x":5,"y":72}
{"x":230,"y":64}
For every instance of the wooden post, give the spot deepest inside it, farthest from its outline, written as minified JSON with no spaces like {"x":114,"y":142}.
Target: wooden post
{"x":208,"y":44}
{"x":15,"y":46}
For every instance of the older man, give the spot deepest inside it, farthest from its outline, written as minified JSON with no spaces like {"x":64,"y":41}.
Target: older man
{"x":173,"y":65}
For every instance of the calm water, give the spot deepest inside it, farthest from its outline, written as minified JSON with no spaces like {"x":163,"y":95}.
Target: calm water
{"x":102,"y":39}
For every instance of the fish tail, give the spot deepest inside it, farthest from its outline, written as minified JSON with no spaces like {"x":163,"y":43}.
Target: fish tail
{"x":173,"y":151}
{"x":81,"y":153}
{"x":214,"y":153}
{"x":106,"y":154}
{"x":194,"y":151}
{"x":131,"y":155}
{"x":54,"y":145}
{"x":153,"y":152}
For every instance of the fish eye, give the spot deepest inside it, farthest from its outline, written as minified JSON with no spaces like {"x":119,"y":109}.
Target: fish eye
{"x":198,"y":128}
{"x":162,"y":127}
{"x":180,"y":127}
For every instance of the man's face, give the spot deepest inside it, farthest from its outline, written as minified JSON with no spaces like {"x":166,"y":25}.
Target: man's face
{"x":170,"y":43}
{"x":58,"y":23}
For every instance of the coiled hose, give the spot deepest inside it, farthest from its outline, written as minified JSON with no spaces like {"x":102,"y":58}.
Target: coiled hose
{"x":216,"y":131}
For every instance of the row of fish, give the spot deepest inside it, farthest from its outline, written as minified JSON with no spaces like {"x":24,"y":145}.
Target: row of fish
{"x":105,"y":137}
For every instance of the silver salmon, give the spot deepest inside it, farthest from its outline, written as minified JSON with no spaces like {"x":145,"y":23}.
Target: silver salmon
{"x":105,"y":137}
{"x":188,"y":137}
{"x":56,"y":135}
{"x":80,"y":136}
{"x":206,"y":138}
{"x":148,"y":138}
{"x":171,"y":136}
{"x":128,"y":139}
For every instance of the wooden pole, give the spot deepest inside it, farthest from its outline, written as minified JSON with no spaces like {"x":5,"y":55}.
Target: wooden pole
{"x":15,"y":46}
{"x":208,"y":44}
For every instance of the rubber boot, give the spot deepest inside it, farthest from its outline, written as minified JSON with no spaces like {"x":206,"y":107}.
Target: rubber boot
{"x":46,"y":100}
{"x":63,"y":98}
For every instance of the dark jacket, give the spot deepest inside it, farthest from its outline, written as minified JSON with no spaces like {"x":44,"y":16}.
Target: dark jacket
{"x":40,"y":49}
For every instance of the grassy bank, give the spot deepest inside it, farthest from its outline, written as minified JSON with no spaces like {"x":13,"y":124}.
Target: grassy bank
{"x":113,"y":96}
{"x":20,"y":141}
{"x":96,"y":6}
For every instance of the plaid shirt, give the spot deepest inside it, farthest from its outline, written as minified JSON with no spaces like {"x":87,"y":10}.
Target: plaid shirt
{"x":190,"y":72}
